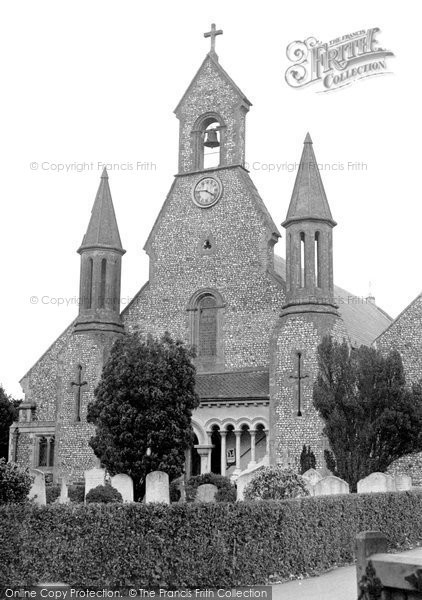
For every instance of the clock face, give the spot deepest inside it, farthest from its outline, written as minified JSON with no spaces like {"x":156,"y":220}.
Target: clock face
{"x":207,"y":191}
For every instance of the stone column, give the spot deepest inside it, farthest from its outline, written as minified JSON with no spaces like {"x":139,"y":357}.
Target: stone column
{"x":204,"y":452}
{"x":237,"y":433}
{"x":223,"y":435}
{"x":252,"y":462}
{"x":267,"y":440}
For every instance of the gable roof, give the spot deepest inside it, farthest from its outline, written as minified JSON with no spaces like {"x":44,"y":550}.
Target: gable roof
{"x":399,"y":317}
{"x":212,"y":57}
{"x":363,"y":319}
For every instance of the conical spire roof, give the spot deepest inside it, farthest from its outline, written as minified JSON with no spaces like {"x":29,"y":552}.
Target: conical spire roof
{"x":102,"y":231}
{"x":308,"y":199}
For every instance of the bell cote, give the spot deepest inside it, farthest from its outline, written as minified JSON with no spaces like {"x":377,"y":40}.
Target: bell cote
{"x":212,"y":115}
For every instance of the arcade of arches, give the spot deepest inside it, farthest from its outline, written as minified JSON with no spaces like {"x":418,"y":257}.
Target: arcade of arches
{"x":229,"y":448}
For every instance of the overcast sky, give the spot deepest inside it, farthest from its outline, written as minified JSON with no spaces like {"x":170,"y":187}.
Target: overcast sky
{"x":97,"y":82}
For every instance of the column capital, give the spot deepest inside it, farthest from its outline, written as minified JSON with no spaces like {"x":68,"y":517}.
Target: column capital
{"x":238,"y":432}
{"x":223,"y":432}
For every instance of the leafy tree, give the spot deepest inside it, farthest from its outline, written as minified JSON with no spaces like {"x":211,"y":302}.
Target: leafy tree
{"x":15,"y":482}
{"x":275,"y":483}
{"x":143,"y":407}
{"x":307,"y":459}
{"x":371,"y":416}
{"x":8,"y":414}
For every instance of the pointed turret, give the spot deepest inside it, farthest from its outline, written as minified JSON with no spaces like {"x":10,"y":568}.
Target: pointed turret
{"x":308,"y":199}
{"x":101,"y":253}
{"x":309,"y":242}
{"x":102,"y":230}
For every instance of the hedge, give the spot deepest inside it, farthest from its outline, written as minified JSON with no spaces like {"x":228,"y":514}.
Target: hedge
{"x":194,"y":545}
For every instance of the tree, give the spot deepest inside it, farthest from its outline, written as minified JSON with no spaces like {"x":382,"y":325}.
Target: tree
{"x":143,"y":407}
{"x":371,"y":417}
{"x":8,"y":414}
{"x":307,"y":459}
{"x":15,"y":482}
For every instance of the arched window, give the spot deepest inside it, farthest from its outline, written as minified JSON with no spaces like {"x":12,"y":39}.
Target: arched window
{"x":206,"y":311}
{"x":207,"y":329}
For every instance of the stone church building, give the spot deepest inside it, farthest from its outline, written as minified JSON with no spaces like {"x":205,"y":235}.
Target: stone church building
{"x":215,"y":281}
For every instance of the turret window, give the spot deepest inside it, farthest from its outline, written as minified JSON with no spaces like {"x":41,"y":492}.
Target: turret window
{"x":317,"y":250}
{"x":89,"y":286}
{"x":103,"y":282}
{"x":302,"y":260}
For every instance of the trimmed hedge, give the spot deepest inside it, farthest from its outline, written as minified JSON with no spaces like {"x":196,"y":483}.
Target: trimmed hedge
{"x":194,"y":545}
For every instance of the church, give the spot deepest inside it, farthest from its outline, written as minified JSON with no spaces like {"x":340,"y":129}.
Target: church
{"x":215,"y":282}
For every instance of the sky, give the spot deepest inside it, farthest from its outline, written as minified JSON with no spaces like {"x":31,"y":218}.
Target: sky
{"x":88,"y":83}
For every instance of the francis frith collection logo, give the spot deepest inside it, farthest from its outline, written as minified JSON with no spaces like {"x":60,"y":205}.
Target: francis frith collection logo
{"x":336,"y":63}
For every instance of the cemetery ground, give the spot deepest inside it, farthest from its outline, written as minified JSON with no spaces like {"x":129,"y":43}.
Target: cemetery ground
{"x":205,"y":543}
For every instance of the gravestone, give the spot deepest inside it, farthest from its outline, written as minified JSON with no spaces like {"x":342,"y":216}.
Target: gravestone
{"x":93,"y":478}
{"x":64,"y":496}
{"x":403,"y":482}
{"x":331,"y":485}
{"x":206,"y":492}
{"x":37,"y":490}
{"x":311,"y":476}
{"x":123,"y":484}
{"x":157,"y":487}
{"x":376,"y":482}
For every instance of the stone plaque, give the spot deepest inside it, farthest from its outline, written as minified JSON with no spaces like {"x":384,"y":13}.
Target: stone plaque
{"x":37,"y":490}
{"x":93,"y":478}
{"x":123,"y":484}
{"x":206,"y":493}
{"x":376,"y":482}
{"x":157,"y":487}
{"x":331,"y":485}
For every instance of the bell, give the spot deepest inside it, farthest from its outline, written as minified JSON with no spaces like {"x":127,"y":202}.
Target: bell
{"x":211,"y":139}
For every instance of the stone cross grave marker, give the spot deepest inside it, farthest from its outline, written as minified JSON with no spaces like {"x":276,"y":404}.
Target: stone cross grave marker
{"x":93,"y":478}
{"x":123,"y":484}
{"x":157,"y":487}
{"x":37,"y":490}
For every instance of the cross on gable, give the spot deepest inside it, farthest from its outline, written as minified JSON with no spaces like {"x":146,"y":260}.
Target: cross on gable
{"x":213,"y":34}
{"x":299,"y":378}
{"x":78,"y":392}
